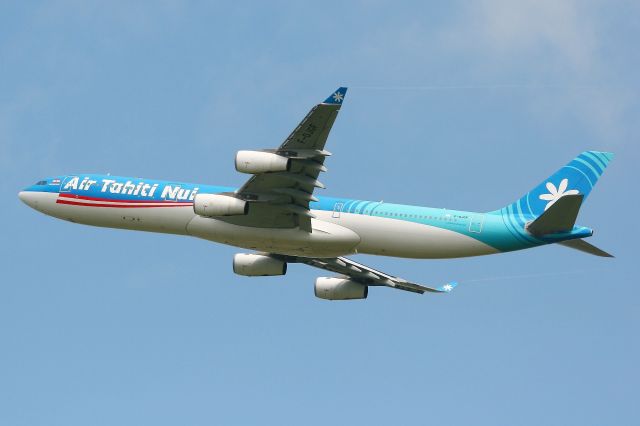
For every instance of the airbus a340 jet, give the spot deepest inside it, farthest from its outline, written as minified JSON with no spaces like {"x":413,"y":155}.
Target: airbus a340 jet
{"x":277,"y":215}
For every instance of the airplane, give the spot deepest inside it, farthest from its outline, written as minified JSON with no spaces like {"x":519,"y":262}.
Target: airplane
{"x":277,"y":216}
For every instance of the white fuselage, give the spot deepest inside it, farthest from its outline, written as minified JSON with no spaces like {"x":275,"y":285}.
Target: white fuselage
{"x":331,"y":236}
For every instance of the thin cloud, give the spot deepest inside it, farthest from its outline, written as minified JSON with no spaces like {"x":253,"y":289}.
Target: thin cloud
{"x":553,"y":44}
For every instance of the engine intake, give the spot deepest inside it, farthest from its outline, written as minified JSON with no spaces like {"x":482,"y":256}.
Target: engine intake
{"x":211,"y":205}
{"x":258,"y":265}
{"x":339,"y":289}
{"x":253,"y":162}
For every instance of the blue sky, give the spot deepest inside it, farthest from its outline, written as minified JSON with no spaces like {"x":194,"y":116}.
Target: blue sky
{"x":464,"y":105}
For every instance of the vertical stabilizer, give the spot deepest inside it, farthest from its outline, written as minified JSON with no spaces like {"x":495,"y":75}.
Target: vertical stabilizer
{"x":577,"y":177}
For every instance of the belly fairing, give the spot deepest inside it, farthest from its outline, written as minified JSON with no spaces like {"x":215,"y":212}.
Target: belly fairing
{"x":325,"y":240}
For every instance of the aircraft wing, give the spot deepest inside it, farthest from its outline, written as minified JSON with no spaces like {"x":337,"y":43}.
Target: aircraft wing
{"x":281,"y":199}
{"x":366,"y":275}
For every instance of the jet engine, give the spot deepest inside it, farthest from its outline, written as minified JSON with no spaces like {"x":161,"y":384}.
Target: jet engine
{"x":211,"y":205}
{"x":258,"y":265}
{"x":339,"y":289}
{"x":254,"y":162}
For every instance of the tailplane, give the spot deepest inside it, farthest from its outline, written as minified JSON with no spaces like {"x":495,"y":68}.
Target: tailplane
{"x":548,"y":212}
{"x":558,"y":223}
{"x":585,"y":247}
{"x":559,"y":218}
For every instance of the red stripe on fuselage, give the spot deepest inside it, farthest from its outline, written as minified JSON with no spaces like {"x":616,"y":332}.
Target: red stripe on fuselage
{"x":112,"y":200}
{"x":123,"y":206}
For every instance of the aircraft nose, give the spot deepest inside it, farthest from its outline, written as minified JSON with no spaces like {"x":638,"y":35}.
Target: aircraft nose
{"x":29,"y":198}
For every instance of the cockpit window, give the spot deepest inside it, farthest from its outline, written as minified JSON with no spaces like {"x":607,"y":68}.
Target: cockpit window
{"x":41,"y":182}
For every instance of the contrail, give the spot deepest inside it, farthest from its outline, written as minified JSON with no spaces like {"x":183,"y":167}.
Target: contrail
{"x":479,"y":87}
{"x":542,"y":274}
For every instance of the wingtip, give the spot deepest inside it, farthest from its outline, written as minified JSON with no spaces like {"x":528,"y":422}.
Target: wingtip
{"x":337,"y":96}
{"x":448,"y":287}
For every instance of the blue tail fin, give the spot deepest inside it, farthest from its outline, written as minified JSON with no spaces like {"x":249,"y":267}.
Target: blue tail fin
{"x":577,"y":177}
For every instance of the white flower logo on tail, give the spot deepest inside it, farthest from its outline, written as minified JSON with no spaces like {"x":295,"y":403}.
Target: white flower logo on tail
{"x":556,"y":193}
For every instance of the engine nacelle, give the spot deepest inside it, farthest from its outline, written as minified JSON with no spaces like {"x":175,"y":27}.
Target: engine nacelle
{"x":211,"y":205}
{"x":339,"y":289}
{"x":254,"y":162}
{"x":258,"y":265}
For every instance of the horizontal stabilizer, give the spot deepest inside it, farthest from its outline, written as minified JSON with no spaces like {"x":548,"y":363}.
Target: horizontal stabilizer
{"x":584,"y":246}
{"x":559,"y":217}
